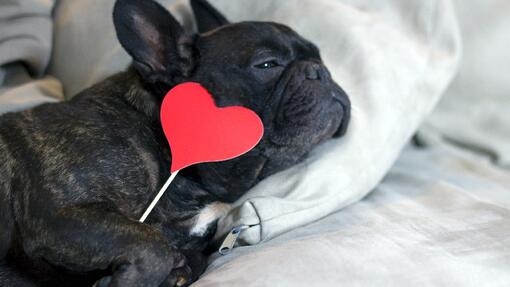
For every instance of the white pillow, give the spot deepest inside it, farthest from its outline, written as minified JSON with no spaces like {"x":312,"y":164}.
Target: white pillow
{"x":394,"y":58}
{"x":479,"y":98}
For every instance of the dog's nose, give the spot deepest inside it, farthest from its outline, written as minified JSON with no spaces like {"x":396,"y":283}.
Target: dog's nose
{"x":313,"y":72}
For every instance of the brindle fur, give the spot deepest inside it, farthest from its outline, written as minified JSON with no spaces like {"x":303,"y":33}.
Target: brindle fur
{"x":76,"y":176}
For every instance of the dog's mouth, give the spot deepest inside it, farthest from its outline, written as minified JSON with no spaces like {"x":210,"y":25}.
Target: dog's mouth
{"x":309,"y":109}
{"x":341,"y":97}
{"x":300,"y":114}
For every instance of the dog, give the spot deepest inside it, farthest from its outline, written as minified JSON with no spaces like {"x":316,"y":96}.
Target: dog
{"x":75,"y":176}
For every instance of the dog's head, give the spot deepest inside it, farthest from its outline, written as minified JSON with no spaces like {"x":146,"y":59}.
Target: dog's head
{"x":264,"y":66}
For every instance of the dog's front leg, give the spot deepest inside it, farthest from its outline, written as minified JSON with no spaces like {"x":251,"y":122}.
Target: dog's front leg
{"x":197,"y":263}
{"x":91,"y":237}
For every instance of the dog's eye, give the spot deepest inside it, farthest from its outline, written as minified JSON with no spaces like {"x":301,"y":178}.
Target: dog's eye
{"x":267,"y":65}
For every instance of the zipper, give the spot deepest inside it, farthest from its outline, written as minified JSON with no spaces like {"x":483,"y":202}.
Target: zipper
{"x":231,"y":238}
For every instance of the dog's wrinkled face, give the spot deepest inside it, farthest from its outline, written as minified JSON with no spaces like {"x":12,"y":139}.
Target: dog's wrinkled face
{"x":272,"y":70}
{"x":264,"y":66}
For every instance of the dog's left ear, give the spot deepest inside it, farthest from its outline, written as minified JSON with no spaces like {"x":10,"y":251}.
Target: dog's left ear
{"x":207,"y":17}
{"x":155,"y":40}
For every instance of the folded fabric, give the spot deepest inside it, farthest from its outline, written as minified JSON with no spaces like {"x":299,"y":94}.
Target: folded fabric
{"x":18,"y":91}
{"x":394,"y":58}
{"x":25,"y":50}
{"x":25,"y":33}
{"x":474,"y":112}
{"x":437,"y":219}
{"x":440,"y":216}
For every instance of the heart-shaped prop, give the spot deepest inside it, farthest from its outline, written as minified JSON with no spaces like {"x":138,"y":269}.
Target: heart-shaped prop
{"x":198,"y":131}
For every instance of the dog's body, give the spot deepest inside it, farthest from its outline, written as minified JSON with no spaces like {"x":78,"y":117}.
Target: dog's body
{"x":75,"y":176}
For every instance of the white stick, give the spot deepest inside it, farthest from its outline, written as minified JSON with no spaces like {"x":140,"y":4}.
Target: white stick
{"x":158,"y":196}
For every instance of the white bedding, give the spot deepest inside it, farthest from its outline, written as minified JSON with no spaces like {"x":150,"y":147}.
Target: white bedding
{"x":441,"y":217}
{"x":394,"y":58}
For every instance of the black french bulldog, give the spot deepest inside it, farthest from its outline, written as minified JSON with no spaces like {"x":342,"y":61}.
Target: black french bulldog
{"x":76,"y":176}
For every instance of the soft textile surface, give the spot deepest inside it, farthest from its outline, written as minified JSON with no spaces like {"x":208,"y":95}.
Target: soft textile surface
{"x":86,"y":48}
{"x":475,"y":112}
{"x":441,"y":217}
{"x":25,"y":32}
{"x":394,"y":58}
{"x":25,"y":48}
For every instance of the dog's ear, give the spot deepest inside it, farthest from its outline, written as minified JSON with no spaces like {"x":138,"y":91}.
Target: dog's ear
{"x":154,"y":39}
{"x":207,"y":17}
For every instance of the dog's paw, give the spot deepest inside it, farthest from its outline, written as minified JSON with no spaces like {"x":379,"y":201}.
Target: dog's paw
{"x":103,"y":282}
{"x":180,"y":277}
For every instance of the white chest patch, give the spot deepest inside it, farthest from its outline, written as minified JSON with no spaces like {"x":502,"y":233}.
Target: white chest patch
{"x":207,"y":216}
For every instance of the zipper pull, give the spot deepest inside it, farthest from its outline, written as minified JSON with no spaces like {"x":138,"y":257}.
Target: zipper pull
{"x":231,"y":238}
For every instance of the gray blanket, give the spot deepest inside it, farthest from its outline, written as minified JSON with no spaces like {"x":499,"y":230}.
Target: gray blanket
{"x":26,"y":30}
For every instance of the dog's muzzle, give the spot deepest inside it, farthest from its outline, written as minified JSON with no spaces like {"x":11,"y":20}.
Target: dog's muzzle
{"x":310,"y":105}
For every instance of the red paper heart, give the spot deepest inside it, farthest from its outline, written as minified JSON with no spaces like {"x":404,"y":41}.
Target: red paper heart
{"x":198,"y":131}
